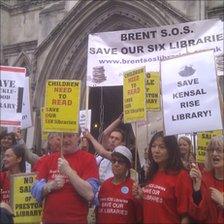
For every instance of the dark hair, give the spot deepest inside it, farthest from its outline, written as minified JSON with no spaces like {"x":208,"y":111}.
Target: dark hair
{"x":11,"y":134}
{"x":121,"y":132}
{"x":19,"y":151}
{"x":174,"y":163}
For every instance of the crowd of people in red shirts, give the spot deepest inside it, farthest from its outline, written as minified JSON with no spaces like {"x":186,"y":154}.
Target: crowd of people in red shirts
{"x":70,"y":180}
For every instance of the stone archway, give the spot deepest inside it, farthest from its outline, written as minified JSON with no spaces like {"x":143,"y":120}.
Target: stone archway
{"x":63,"y":55}
{"x":67,"y":57}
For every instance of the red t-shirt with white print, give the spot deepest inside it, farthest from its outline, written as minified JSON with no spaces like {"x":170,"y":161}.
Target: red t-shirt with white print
{"x":166,"y":197}
{"x":66,"y":205}
{"x":117,"y":204}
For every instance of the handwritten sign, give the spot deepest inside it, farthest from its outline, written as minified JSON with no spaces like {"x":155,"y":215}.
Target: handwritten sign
{"x":134,"y":95}
{"x":62,"y":98}
{"x":152,"y":91}
{"x":26,"y":108}
{"x":203,"y":139}
{"x":26,"y":209}
{"x":11,"y":95}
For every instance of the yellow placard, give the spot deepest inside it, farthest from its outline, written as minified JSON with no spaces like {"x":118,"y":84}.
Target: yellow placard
{"x":62,"y":100}
{"x":152,"y":87}
{"x":134,"y":95}
{"x":44,"y":134}
{"x":203,"y":139}
{"x":25,"y":208}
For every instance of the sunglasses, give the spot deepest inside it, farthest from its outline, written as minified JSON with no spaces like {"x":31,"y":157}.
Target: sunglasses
{"x":119,"y":161}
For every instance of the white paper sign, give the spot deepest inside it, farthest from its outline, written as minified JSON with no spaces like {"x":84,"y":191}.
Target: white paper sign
{"x":146,"y":130}
{"x":112,"y":53}
{"x":190,"y":94}
{"x":26,"y":109}
{"x":85,"y":119}
{"x":11,"y":95}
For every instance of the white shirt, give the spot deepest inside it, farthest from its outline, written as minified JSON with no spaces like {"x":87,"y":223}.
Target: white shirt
{"x":105,"y":168}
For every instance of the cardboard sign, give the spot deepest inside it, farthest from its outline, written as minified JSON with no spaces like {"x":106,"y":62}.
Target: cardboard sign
{"x":26,"y":109}
{"x":203,"y":139}
{"x":25,"y":208}
{"x":152,"y":91}
{"x":62,"y":99}
{"x":44,"y":134}
{"x":11,"y":95}
{"x":190,"y":94}
{"x":110,"y":54}
{"x":85,"y":119}
{"x":134,"y":95}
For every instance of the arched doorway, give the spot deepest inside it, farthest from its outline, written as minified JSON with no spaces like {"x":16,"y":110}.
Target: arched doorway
{"x":63,"y":55}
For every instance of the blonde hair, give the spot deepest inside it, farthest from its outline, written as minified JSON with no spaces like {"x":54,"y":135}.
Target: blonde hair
{"x":215,"y":142}
{"x":186,"y":139}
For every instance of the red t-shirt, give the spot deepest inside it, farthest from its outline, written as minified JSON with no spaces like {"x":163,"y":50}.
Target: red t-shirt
{"x":5,"y":186}
{"x":117,"y":205}
{"x":208,"y":211}
{"x":166,"y":197}
{"x":38,"y":163}
{"x":66,"y":205}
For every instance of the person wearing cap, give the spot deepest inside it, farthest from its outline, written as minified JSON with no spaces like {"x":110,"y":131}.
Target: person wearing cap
{"x":116,"y":202}
{"x":66,"y":183}
{"x":116,"y":138}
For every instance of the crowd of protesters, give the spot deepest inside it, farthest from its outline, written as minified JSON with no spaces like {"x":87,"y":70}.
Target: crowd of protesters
{"x":70,"y":180}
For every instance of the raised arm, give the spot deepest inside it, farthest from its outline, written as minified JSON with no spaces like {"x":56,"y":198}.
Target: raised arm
{"x":106,"y":133}
{"x":29,"y":155}
{"x":98,"y":147}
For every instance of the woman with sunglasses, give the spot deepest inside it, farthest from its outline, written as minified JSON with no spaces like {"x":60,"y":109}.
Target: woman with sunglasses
{"x":207,"y":204}
{"x":116,"y":203}
{"x":166,"y":193}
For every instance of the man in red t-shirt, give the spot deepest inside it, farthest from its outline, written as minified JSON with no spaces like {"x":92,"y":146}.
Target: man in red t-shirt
{"x":67,"y":183}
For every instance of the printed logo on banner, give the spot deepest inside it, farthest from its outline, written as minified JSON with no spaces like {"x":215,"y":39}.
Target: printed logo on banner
{"x":187,"y":71}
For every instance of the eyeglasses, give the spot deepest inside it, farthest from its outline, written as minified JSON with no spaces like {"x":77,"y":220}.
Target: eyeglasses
{"x":119,"y":161}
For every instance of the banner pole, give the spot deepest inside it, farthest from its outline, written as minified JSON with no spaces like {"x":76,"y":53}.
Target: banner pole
{"x":87,"y":106}
{"x":61,"y":151}
{"x":136,"y":148}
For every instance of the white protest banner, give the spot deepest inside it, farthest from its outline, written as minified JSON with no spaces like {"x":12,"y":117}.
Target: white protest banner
{"x":190,"y":98}
{"x":11,"y":95}
{"x":112,"y":53}
{"x":83,"y":121}
{"x":146,"y":130}
{"x":26,"y":109}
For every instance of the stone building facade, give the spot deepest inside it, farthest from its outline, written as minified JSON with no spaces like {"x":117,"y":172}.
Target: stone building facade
{"x":49,"y":37}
